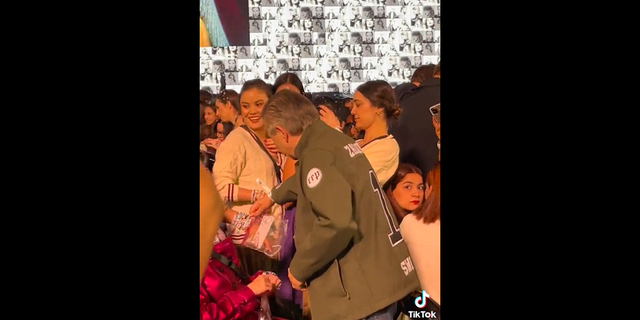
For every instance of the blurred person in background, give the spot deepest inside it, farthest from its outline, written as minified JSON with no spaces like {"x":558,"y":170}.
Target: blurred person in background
{"x":223,"y":129}
{"x":208,"y":140}
{"x":211,"y":212}
{"x":414,"y":130}
{"x":228,"y":107}
{"x":350,"y":130}
{"x":205,"y":99}
{"x":418,"y":76}
{"x":207,"y":130}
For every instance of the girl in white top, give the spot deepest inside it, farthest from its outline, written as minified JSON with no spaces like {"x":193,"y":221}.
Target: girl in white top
{"x":421,"y":233}
{"x":374,"y":105}
{"x":242,"y":159}
{"x":405,"y":190}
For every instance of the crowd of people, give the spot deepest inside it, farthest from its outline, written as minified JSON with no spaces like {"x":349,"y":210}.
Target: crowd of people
{"x":326,"y":214}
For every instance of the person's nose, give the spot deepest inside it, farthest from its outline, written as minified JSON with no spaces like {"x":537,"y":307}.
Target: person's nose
{"x":253,"y":109}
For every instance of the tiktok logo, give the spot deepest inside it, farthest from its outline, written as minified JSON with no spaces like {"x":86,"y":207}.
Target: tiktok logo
{"x":421,"y":301}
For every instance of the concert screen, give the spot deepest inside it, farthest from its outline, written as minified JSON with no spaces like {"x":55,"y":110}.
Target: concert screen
{"x":332,"y":45}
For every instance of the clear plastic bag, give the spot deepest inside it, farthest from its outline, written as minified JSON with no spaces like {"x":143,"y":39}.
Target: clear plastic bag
{"x":265,"y":310}
{"x":263,"y":233}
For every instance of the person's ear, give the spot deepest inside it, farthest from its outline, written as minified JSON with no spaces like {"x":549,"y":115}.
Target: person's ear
{"x":283,"y":132}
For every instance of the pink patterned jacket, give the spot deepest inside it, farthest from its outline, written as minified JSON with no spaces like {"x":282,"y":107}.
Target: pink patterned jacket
{"x":223,"y":296}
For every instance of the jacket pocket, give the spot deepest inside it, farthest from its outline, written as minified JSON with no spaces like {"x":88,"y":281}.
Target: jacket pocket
{"x":344,"y":289}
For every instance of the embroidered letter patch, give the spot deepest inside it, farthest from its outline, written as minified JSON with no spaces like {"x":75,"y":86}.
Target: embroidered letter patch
{"x":313,"y":177}
{"x":353,"y":149}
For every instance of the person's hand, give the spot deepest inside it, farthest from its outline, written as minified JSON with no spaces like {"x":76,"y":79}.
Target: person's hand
{"x":212,"y":143}
{"x":270,"y":146}
{"x":294,"y":282}
{"x":261,"y":285}
{"x":260,"y":206}
{"x":327,"y":116}
{"x":273,"y":278}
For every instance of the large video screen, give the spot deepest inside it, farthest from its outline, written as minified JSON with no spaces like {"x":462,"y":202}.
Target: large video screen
{"x":332,"y":45}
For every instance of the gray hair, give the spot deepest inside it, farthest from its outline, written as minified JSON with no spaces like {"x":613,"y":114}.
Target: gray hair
{"x":289,"y":110}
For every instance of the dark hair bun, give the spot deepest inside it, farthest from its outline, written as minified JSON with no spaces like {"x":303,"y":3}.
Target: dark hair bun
{"x":395,"y":111}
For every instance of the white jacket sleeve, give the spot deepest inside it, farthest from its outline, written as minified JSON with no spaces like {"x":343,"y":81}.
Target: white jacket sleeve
{"x":230,"y":161}
{"x":383,"y":157}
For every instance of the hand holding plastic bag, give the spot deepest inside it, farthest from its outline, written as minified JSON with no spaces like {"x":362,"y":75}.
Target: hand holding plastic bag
{"x":263,"y":233}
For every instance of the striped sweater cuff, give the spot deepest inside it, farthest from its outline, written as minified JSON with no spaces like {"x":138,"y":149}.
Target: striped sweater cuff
{"x":231,"y":194}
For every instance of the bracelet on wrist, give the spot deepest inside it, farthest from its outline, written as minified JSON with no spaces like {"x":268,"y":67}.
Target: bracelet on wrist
{"x":253,"y":196}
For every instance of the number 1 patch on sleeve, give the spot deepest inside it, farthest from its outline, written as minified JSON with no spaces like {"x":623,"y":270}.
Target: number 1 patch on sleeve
{"x":313,"y":177}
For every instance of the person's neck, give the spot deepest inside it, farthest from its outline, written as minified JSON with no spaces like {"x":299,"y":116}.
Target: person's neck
{"x":262,"y":134}
{"x":237,"y":121}
{"x":417,"y":84}
{"x":377,"y":129}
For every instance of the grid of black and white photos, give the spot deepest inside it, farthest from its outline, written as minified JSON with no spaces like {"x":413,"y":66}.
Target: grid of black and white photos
{"x":332,"y":45}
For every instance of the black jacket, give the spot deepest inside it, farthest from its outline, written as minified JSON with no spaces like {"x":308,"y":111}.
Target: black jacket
{"x":402,"y":89}
{"x":414,"y":131}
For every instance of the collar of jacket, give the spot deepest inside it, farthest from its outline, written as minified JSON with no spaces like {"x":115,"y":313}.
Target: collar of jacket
{"x":430,"y":82}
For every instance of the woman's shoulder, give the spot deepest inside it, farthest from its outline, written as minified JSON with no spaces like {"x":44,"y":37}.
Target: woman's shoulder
{"x":411,"y":224}
{"x":391,"y":141}
{"x":237,"y":135}
{"x":387,"y":144}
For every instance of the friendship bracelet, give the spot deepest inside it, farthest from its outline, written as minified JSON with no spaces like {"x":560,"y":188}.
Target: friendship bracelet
{"x":253,"y":196}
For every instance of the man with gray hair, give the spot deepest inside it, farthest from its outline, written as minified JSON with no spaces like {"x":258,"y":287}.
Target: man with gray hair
{"x":350,"y":255}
